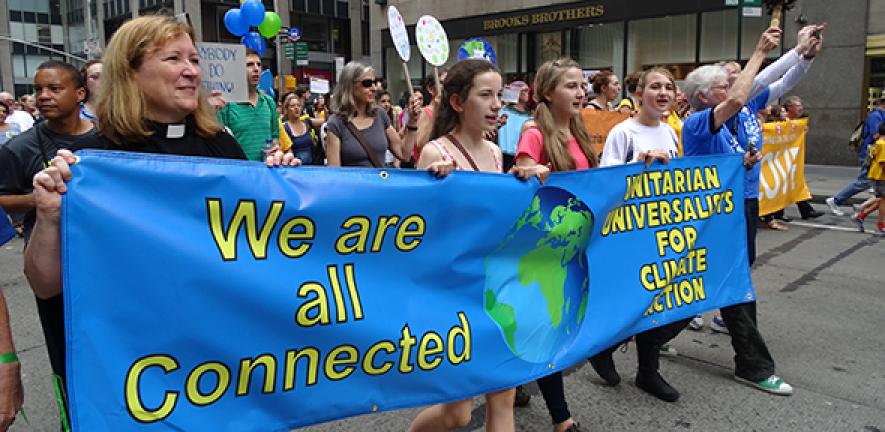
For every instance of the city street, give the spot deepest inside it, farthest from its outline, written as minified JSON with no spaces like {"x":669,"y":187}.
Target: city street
{"x":821,"y":291}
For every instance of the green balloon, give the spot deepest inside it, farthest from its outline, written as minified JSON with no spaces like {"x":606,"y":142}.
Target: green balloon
{"x":270,"y":26}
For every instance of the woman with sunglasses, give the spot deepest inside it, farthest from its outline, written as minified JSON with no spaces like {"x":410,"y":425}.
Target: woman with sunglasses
{"x":358,"y":133}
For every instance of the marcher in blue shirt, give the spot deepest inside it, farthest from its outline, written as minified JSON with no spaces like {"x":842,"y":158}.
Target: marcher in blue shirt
{"x":862,"y":183}
{"x":704,"y":132}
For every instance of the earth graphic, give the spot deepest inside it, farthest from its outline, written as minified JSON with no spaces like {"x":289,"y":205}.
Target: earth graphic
{"x":536,"y":279}
{"x":477,"y":48}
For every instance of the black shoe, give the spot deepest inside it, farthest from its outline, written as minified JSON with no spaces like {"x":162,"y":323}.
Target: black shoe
{"x":812,"y":215}
{"x":655,"y":385}
{"x":785,"y":218}
{"x":604,"y":366}
{"x":522,"y":397}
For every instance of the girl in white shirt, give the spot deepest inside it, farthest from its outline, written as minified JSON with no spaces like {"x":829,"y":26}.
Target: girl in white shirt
{"x":644,"y":137}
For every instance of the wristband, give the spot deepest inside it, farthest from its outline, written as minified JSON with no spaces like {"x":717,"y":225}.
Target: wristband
{"x":807,"y":57}
{"x":8,"y":358}
{"x":412,"y":128}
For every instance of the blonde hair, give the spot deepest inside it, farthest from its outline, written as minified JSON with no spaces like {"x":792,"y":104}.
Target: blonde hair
{"x":343,"y":102}
{"x":555,"y":142}
{"x":289,"y":97}
{"x":120,"y":106}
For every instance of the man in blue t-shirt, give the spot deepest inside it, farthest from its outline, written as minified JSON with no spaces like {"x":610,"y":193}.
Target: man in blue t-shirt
{"x":862,"y":183}
{"x":715,"y":101}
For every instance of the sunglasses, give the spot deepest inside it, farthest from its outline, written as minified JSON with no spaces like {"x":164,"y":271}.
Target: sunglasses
{"x":369,"y":82}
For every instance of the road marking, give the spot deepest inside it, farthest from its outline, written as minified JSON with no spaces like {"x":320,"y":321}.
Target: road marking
{"x":820,"y":226}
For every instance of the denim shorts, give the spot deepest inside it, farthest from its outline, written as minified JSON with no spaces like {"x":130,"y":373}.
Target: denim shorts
{"x":879,"y":188}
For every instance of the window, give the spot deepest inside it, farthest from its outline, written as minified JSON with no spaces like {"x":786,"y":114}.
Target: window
{"x":548,"y":46}
{"x":661,"y":41}
{"x":506,"y":51}
{"x":299,"y":6}
{"x":751,"y":30}
{"x":343,"y":9}
{"x":719,"y":35}
{"x":601,"y":46}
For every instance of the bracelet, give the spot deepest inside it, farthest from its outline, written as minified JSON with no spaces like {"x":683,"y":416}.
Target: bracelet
{"x":7,"y":358}
{"x":412,"y":128}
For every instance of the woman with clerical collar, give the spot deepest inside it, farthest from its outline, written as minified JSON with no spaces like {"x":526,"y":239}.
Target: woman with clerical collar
{"x":150,"y":101}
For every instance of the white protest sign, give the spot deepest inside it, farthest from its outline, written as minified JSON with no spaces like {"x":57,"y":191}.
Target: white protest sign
{"x":319,"y":85}
{"x":398,"y":33}
{"x":510,"y":95}
{"x":432,"y":40}
{"x":224,"y":69}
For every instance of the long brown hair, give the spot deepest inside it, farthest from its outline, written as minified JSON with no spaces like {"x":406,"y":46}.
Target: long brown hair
{"x":120,"y":105}
{"x":555,"y":141}
{"x":459,"y":81}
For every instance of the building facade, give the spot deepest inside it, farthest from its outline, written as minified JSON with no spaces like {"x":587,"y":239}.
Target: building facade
{"x":76,"y":30}
{"x":630,"y":36}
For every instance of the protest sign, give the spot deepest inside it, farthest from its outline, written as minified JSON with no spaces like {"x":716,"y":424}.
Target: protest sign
{"x":224,"y":70}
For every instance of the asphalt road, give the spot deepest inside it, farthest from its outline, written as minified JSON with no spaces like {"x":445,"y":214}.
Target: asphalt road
{"x":821,"y":290}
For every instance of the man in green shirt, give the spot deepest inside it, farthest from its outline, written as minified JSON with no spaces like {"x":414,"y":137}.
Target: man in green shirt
{"x":254,"y":122}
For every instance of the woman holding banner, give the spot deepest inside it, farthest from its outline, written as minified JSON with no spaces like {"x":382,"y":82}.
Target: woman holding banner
{"x":467,"y":111}
{"x":716,"y":101}
{"x":358,"y":133}
{"x":558,"y":141}
{"x":150,"y":102}
{"x":645,"y":138}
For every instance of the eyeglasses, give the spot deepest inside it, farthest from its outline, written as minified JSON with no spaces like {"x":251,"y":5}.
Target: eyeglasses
{"x":369,"y":82}
{"x":723,"y":87}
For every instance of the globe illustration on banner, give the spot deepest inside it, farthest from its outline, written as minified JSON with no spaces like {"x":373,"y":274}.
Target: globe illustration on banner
{"x":477,"y":48}
{"x":536,"y":284}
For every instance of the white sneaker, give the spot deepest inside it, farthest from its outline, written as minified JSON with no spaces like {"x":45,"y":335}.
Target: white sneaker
{"x":696,"y":323}
{"x":831,"y":203}
{"x":718,"y":325}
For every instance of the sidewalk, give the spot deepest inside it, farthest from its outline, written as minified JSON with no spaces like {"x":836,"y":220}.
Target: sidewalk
{"x":825,"y":181}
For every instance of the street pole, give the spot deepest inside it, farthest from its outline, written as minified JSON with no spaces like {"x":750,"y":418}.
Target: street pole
{"x":42,"y":47}
{"x":279,"y":55}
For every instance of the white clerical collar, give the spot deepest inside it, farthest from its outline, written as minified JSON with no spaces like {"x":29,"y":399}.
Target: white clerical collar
{"x":175,"y":130}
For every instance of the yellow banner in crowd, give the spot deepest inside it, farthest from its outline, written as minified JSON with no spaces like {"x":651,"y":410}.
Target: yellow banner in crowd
{"x":782,"y":180}
{"x":598,"y":124}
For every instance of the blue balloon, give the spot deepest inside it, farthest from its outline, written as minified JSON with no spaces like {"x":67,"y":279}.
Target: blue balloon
{"x":265,"y":83}
{"x":255,"y":42}
{"x":233,"y":21}
{"x":252,"y":12}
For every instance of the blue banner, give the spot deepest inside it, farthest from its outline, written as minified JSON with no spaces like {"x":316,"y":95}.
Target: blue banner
{"x":206,"y":294}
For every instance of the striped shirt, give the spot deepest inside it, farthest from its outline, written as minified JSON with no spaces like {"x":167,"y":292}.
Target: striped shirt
{"x":251,"y":125}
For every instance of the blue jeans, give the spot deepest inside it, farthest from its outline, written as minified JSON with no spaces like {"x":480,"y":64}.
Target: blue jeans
{"x":859,"y":185}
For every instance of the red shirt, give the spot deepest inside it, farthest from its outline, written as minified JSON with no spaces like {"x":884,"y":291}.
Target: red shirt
{"x":531,"y":144}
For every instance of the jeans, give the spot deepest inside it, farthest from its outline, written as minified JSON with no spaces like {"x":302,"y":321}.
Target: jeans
{"x":859,"y":185}
{"x":752,"y":361}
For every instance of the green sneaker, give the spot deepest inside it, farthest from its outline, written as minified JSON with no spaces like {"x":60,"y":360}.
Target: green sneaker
{"x":773,"y":384}
{"x":667,"y":350}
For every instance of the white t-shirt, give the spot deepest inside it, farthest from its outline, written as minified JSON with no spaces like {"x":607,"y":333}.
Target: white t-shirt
{"x":22,"y":119}
{"x":629,"y":138}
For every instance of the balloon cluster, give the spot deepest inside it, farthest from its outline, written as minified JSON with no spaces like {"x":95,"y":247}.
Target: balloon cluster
{"x":251,"y":13}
